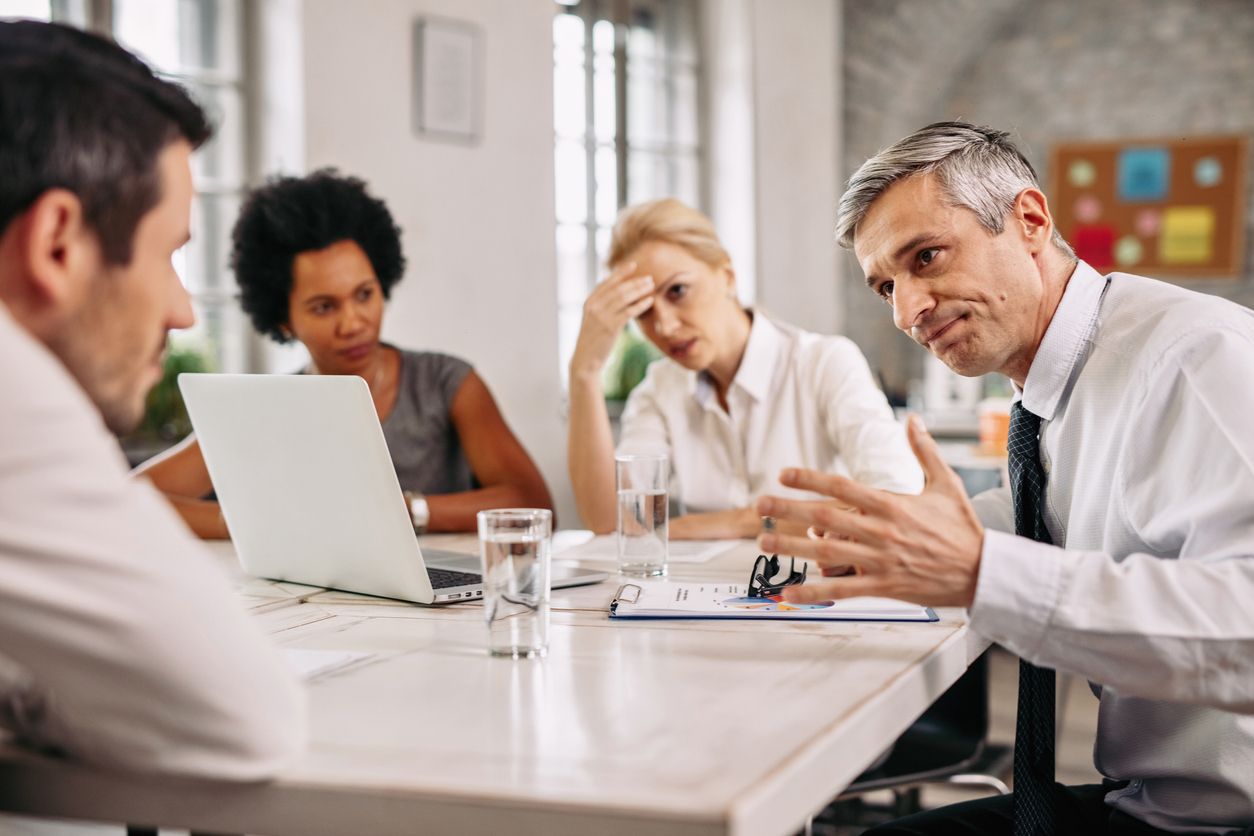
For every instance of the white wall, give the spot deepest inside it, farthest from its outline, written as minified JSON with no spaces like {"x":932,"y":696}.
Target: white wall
{"x":774,"y":141}
{"x":796,"y":107}
{"x":478,"y":220}
{"x":727,"y":49}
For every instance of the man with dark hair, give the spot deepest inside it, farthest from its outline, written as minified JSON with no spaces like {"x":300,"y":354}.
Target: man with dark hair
{"x":119,"y":641}
{"x":1131,"y":493}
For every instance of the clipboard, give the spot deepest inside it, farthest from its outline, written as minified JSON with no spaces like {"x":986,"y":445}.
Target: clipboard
{"x":722,"y":600}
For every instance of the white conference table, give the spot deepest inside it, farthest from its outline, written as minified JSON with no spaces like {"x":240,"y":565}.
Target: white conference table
{"x":694,"y":727}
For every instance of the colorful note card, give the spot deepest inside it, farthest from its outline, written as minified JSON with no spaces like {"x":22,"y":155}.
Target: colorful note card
{"x":1128,"y":251}
{"x":1081,"y":173}
{"x":1095,"y":244}
{"x":1207,"y":172}
{"x":1148,"y":222}
{"x":1143,"y":174}
{"x":1187,"y":235}
{"x":1087,"y":209}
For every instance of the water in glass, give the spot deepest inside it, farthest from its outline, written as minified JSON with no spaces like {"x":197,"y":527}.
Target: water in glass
{"x":642,"y":536}
{"x":516,"y":593}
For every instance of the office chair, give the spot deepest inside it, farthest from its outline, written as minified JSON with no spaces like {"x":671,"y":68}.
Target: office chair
{"x":947,"y":744}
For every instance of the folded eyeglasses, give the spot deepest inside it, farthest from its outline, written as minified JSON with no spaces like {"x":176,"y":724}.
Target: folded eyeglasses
{"x":763,"y":581}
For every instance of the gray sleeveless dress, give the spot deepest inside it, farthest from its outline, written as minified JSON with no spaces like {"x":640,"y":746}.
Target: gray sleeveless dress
{"x":426,"y":451}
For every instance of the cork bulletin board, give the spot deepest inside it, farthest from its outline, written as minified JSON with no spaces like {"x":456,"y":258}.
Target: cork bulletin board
{"x":1159,"y":207}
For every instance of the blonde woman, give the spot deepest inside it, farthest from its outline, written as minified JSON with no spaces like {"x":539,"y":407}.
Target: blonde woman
{"x":739,"y":396}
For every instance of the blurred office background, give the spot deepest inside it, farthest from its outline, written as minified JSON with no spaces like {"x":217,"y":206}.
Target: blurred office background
{"x":755,"y":110}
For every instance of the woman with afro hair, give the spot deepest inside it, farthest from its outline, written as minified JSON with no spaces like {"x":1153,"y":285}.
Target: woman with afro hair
{"x":316,"y":257}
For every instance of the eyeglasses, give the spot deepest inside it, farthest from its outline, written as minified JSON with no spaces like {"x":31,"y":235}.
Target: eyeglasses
{"x":765,"y":569}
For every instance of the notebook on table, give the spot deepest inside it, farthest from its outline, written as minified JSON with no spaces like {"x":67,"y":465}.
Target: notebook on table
{"x":659,"y":600}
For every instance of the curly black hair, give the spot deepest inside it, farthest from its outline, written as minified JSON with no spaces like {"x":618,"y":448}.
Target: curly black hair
{"x":291,"y":215}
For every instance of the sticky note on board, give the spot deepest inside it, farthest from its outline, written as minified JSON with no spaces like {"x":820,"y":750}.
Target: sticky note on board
{"x":1187,"y":235}
{"x":1095,"y":244}
{"x":1143,"y":174}
{"x":1207,"y":172}
{"x":1087,"y":209}
{"x":1081,"y":173}
{"x":1128,"y":250}
{"x":1148,"y":222}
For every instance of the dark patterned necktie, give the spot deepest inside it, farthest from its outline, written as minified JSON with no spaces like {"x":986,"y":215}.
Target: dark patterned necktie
{"x":1034,"y":726}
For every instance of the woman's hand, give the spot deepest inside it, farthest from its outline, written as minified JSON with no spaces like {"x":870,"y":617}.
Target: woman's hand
{"x":733,"y":524}
{"x":620,"y":298}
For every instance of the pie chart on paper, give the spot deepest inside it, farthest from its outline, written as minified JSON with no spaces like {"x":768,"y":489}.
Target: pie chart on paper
{"x":772,"y":605}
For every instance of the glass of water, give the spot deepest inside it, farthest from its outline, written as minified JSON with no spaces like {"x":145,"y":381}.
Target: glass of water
{"x":514,"y":544}
{"x":642,"y":514}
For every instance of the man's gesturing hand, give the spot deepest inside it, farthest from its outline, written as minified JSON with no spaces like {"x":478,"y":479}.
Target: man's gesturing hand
{"x":924,"y":549}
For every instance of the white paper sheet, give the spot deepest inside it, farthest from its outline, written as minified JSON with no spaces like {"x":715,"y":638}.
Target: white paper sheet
{"x":605,"y":548}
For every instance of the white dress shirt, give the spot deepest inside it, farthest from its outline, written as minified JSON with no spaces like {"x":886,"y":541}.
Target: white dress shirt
{"x":797,"y":400}
{"x":1146,"y":394}
{"x":120,"y":641}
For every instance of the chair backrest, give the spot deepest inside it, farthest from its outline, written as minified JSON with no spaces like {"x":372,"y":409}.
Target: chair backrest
{"x":962,"y":711}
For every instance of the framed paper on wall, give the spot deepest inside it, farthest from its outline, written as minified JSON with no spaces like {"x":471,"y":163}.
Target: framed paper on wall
{"x":448,"y":79}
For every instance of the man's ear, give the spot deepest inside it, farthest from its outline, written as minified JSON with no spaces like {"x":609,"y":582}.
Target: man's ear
{"x":1031,"y":214}
{"x":59,"y":252}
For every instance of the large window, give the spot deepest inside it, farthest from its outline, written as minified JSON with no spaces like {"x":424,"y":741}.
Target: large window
{"x":626,"y":104}
{"x":199,"y":44}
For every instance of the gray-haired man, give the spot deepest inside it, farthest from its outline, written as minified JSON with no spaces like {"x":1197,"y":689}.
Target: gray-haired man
{"x":1132,"y":471}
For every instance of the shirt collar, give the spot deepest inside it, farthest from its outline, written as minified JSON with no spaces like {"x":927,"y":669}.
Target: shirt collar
{"x":1065,"y":343}
{"x":757,"y":365}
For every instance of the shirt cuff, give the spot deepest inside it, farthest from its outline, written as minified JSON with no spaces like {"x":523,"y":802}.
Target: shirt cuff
{"x":1017,"y":591}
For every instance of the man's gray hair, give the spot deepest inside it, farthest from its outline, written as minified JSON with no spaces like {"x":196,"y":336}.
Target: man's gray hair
{"x":978,"y":168}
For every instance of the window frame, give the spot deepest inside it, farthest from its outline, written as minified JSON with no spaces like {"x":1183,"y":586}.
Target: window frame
{"x":214,"y":298}
{"x":670,"y":150}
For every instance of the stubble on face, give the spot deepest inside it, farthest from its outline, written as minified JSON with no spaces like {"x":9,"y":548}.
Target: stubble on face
{"x":115,"y":365}
{"x":963,"y":293}
{"x":114,"y":341}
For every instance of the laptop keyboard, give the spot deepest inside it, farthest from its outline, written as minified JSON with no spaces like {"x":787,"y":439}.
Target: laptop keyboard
{"x":444,"y":578}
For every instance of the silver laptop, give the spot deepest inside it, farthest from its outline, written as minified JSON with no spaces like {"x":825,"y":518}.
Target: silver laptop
{"x":307,"y":487}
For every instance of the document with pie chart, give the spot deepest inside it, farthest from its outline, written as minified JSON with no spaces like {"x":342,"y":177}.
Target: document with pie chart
{"x":665,"y":599}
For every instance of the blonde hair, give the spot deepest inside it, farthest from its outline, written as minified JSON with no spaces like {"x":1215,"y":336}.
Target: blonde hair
{"x":670,"y":221}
